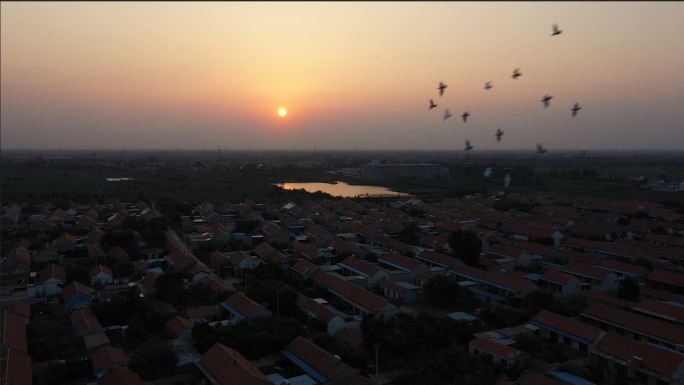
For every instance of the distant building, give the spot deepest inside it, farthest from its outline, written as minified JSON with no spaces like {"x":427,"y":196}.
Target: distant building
{"x":377,"y":170}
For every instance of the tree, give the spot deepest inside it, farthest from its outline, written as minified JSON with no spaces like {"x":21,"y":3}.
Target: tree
{"x":409,"y":234}
{"x":153,"y":359}
{"x":628,"y":289}
{"x":466,"y":246}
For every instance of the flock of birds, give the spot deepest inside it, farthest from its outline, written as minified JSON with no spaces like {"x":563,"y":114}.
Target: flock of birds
{"x":546,"y":101}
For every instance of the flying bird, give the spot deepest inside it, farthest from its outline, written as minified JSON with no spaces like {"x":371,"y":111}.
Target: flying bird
{"x":447,"y":114}
{"x":432,"y":105}
{"x":487,"y":172}
{"x":516,"y":74}
{"x":575,"y":109}
{"x":556,"y":31}
{"x":465,"y":116}
{"x":441,"y":88}
{"x":468,"y":146}
{"x":498,"y":134}
{"x":488,"y":86}
{"x":546,"y":100}
{"x":540,"y":149}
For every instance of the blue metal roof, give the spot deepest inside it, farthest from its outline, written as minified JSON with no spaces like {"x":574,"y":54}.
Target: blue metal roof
{"x":569,"y":378}
{"x":232,"y":310}
{"x":318,"y":376}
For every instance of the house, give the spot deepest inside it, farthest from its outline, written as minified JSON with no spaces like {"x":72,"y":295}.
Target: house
{"x":148,"y":285}
{"x":399,"y":292}
{"x":491,"y":286}
{"x":240,"y":307}
{"x":105,"y":358}
{"x":666,"y":280}
{"x":334,"y":320}
{"x":17,"y":262}
{"x":318,"y":363}
{"x":206,"y":313}
{"x":77,"y":296}
{"x":496,"y":353}
{"x":660,"y":310}
{"x":66,"y":243}
{"x":408,"y":268}
{"x":439,"y":260}
{"x":50,"y":281}
{"x":592,"y":278}
{"x":635,"y":326}
{"x":561,"y":329}
{"x":560,"y":283}
{"x":361,"y":300}
{"x":48,"y":253}
{"x":268,"y":253}
{"x":525,"y":230}
{"x":240,"y":261}
{"x":179,"y":327}
{"x":85,"y":322}
{"x":304,"y":268}
{"x":621,"y":359}
{"x":95,"y":251}
{"x":101,"y":275}
{"x":222,"y":365}
{"x":305,"y":250}
{"x":371,"y":273}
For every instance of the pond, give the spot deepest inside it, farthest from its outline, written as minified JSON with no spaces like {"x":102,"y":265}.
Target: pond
{"x":342,"y":189}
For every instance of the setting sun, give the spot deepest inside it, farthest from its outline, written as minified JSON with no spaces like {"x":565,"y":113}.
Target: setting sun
{"x":282,"y":112}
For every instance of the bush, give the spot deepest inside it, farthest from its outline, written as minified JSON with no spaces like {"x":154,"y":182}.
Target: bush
{"x":153,"y":359}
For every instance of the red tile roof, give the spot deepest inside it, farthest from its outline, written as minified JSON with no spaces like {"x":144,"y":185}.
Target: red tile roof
{"x":407,"y":263}
{"x":14,"y":331}
{"x":494,"y":348}
{"x":85,"y":321}
{"x":585,"y":270}
{"x":440,"y":259}
{"x":302,"y":266}
{"x":363,"y":298}
{"x":76,"y":287}
{"x":641,"y":324}
{"x":52,"y":271}
{"x":505,"y":251}
{"x":305,"y":249}
{"x":316,"y":309}
{"x":512,"y":282}
{"x":229,"y":367}
{"x":652,"y":358}
{"x":245,"y":305}
{"x":315,"y":356}
{"x":178,"y":324}
{"x":660,"y":309}
{"x":107,"y":356}
{"x":202,"y":311}
{"x":16,"y":368}
{"x":100,"y":269}
{"x":557,"y":276}
{"x":532,"y":378}
{"x":622,"y":267}
{"x":360,"y":266}
{"x":567,"y":325}
{"x":393,"y":287}
{"x":667,"y":277}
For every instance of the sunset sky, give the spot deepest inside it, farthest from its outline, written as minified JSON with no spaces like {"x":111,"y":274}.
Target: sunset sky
{"x":351,"y":75}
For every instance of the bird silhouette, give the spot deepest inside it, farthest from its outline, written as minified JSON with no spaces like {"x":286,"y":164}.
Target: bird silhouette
{"x":441,"y":88}
{"x":540,"y":149}
{"x":447,"y":114}
{"x":432,"y":105}
{"x":487,"y":172}
{"x":488,"y":86}
{"x":516,"y":74}
{"x":575,"y":109}
{"x":465,"y":116}
{"x":468,"y":146}
{"x":498,"y":134}
{"x":556,"y":31}
{"x":546,"y":100}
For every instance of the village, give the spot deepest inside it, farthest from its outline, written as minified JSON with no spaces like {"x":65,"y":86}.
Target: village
{"x":552,"y":289}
